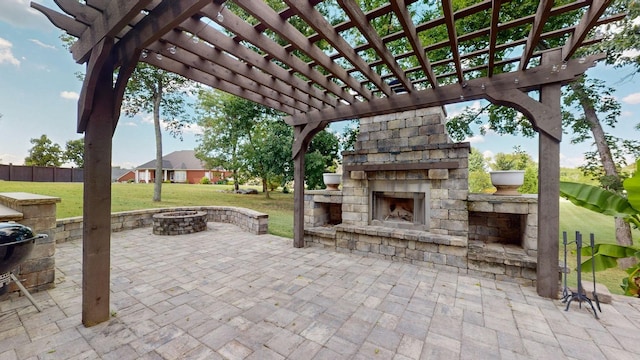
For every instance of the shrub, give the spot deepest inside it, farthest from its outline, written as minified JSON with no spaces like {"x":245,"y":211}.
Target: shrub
{"x":205,"y":181}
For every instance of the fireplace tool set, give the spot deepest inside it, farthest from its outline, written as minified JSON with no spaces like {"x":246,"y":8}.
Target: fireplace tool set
{"x":569,"y":295}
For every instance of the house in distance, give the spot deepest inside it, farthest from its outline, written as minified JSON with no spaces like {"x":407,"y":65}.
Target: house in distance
{"x":179,"y":167}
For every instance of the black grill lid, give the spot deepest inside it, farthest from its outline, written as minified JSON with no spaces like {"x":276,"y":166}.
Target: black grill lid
{"x":14,"y":232}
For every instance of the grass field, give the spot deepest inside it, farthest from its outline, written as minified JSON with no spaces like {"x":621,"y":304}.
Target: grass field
{"x":280,"y":210}
{"x":129,"y":196}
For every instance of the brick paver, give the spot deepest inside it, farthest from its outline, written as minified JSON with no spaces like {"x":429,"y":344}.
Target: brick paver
{"x":228,"y":294}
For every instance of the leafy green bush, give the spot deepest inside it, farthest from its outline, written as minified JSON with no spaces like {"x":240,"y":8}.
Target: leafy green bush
{"x":205,"y":181}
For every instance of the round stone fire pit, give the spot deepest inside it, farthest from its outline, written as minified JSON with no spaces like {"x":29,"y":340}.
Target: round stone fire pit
{"x":179,"y":222}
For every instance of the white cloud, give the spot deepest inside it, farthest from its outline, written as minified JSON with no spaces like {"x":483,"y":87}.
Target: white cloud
{"x":487,"y":154}
{"x":18,"y":13}
{"x":69,"y":95}
{"x":41,"y":44}
{"x":6,"y":55}
{"x":476,"y":139}
{"x":130,"y":123}
{"x":11,"y":159}
{"x":571,"y":162}
{"x":632,"y":99}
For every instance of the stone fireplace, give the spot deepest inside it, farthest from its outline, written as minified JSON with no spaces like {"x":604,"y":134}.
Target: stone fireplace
{"x":405,"y":197}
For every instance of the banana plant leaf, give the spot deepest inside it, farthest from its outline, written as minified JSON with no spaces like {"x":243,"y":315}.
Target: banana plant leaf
{"x":597,"y":199}
{"x":632,"y":186}
{"x":602,"y":263}
{"x":610,"y":250}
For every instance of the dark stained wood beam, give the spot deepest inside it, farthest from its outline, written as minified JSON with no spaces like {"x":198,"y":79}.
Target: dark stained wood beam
{"x":324,"y":28}
{"x":197,"y":62}
{"x":589,"y":19}
{"x":528,"y":80}
{"x":402,"y":12}
{"x":493,"y":35}
{"x":216,"y":57}
{"x":163,"y":18}
{"x":115,"y":17}
{"x":288,"y":32}
{"x":101,"y":53}
{"x":207,"y":79}
{"x":447,"y":9}
{"x":246,"y":32}
{"x":63,"y":22}
{"x":366,"y":29}
{"x":82,"y":13}
{"x":251,"y":58}
{"x":541,"y":17}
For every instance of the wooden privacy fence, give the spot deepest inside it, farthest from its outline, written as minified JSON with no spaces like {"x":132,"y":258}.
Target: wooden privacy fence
{"x":40,"y":173}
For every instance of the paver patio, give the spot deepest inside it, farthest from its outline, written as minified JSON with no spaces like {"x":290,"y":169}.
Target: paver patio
{"x":228,"y":294}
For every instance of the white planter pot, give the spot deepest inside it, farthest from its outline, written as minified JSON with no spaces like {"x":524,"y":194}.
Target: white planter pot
{"x":507,"y":182}
{"x":332,"y":180}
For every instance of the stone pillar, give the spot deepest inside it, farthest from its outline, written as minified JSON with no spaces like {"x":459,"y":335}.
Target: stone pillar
{"x":39,"y":213}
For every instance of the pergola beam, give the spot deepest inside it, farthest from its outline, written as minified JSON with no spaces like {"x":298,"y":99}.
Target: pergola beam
{"x":358,"y":17}
{"x":447,"y":9}
{"x":270,"y":18}
{"x":530,"y":79}
{"x":115,"y":17}
{"x":401,"y":10}
{"x":544,"y":8}
{"x":217,"y":83}
{"x":250,"y":58}
{"x":589,"y":19}
{"x":246,"y":32}
{"x":328,"y":33}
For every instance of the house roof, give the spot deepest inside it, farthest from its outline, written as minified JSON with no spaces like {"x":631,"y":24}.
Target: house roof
{"x":177,"y":160}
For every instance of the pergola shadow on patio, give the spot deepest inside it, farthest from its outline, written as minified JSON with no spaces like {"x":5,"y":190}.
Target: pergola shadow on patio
{"x":262,"y":299}
{"x":324,"y":61}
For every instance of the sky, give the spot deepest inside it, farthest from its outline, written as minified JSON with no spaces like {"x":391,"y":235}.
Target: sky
{"x":39,"y":91}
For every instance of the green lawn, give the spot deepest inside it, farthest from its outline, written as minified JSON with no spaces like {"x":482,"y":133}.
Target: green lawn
{"x":129,"y":196}
{"x":574,"y":218}
{"x":280,"y":210}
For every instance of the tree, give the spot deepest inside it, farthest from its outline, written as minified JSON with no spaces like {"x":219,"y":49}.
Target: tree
{"x":320,"y":157}
{"x":44,"y":152}
{"x":74,"y":152}
{"x":479,"y":179}
{"x":156,"y":91}
{"x":267,"y":154}
{"x":233,"y":132}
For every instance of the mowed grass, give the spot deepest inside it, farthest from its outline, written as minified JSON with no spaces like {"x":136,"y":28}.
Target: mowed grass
{"x":574,"y":218}
{"x":129,"y":196}
{"x":280,"y":210}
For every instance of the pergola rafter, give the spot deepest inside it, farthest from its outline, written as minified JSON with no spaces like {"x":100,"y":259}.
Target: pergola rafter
{"x":309,"y":63}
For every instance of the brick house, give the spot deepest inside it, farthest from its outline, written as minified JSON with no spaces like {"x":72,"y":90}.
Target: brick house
{"x":180,"y":167}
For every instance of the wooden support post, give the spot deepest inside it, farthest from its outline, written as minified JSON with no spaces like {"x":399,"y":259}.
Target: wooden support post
{"x":548,"y":281}
{"x":298,"y":193}
{"x":97,"y":201}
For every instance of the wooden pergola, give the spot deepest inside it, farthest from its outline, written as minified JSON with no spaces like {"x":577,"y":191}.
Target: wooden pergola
{"x":321,"y":61}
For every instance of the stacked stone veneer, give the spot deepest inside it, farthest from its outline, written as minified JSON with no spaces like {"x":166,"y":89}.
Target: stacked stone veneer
{"x":408,"y":147}
{"x":248,"y":220}
{"x":38,"y":212}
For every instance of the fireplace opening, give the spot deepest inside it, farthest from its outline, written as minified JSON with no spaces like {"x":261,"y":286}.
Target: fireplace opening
{"x":398,"y":209}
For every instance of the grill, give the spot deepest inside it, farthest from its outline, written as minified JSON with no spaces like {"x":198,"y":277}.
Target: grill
{"x":16,"y":243}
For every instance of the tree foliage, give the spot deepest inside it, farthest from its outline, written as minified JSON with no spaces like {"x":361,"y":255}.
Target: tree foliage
{"x":44,"y":152}
{"x":74,"y":152}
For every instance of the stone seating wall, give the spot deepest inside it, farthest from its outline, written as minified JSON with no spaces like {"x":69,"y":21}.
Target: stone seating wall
{"x":248,"y":220}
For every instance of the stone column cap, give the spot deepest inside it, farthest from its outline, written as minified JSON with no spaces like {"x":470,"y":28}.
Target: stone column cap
{"x":23,"y":198}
